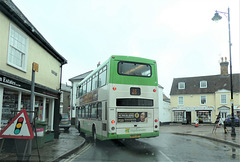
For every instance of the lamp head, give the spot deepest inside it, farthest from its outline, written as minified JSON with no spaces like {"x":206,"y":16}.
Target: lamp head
{"x":216,"y":17}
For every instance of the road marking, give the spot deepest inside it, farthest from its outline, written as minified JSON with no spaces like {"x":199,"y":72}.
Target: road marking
{"x":79,"y":153}
{"x":165,"y":156}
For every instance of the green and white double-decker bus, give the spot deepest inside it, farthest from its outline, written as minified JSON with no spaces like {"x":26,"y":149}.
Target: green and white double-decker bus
{"x":119,"y":100}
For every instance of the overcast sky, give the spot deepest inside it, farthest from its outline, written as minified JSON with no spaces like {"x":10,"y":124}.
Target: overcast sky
{"x":178,"y":34}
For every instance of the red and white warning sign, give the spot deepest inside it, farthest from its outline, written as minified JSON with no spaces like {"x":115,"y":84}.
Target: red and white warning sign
{"x":19,"y":127}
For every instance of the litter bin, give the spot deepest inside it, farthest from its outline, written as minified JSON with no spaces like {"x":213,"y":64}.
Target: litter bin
{"x":39,"y":137}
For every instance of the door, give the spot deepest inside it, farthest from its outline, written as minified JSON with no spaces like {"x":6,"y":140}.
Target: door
{"x":188,"y":116}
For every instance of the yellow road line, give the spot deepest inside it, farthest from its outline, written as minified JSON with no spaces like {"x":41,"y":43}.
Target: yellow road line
{"x":79,"y":153}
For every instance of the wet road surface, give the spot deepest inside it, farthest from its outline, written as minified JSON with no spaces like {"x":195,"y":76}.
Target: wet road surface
{"x":166,"y":147}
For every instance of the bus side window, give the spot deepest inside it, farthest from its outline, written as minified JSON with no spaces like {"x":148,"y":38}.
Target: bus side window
{"x":83,"y":112}
{"x":80,"y":90}
{"x":84,"y":88}
{"x":105,"y":110}
{"x":99,"y":111}
{"x":86,"y":110}
{"x":89,"y":85}
{"x":79,"y":113}
{"x":95,"y":81}
{"x":102,"y":76}
{"x":90,"y":111}
{"x":94,"y":111}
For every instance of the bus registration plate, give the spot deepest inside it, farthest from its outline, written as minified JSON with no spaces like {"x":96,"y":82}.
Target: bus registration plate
{"x":135,"y":136}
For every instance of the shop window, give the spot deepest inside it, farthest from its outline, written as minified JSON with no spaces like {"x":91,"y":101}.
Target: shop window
{"x":39,"y":107}
{"x":178,"y":116}
{"x":9,"y":106}
{"x":26,"y":101}
{"x":204,"y":116}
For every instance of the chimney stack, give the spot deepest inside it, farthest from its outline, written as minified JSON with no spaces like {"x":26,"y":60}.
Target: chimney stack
{"x":224,"y":67}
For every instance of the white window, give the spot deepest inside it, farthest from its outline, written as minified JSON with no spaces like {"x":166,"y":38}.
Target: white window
{"x":178,"y":116}
{"x":180,"y":100}
{"x":181,"y":85}
{"x":203,"y":100}
{"x":203,"y":84}
{"x":17,"y":48}
{"x":223,"y":99}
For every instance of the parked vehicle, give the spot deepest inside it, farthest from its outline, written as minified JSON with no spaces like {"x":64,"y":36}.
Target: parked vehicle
{"x":65,"y":122}
{"x":228,"y":120}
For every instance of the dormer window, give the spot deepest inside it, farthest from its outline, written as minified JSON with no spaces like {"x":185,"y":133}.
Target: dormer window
{"x":203,"y":84}
{"x":181,"y":85}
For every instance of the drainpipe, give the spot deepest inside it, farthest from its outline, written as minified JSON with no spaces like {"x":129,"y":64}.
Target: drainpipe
{"x":56,"y":109}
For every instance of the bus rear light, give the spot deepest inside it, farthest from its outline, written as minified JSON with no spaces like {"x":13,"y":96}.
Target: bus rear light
{"x":113,"y":121}
{"x":156,"y":120}
{"x":114,"y":88}
{"x":154,"y":90}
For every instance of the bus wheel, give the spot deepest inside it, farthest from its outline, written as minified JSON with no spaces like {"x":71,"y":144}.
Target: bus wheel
{"x":79,"y":130}
{"x":94,"y":135}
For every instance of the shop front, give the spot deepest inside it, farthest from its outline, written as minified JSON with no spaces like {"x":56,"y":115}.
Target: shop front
{"x":15,"y":95}
{"x":187,"y":115}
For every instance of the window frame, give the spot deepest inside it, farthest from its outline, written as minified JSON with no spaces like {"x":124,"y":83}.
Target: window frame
{"x":23,"y":52}
{"x":181,"y":83}
{"x":124,"y":74}
{"x":182,"y":100}
{"x":201,"y":100}
{"x":221,"y":98}
{"x":202,"y":82}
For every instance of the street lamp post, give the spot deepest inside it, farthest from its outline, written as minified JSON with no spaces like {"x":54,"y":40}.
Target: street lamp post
{"x":216,"y":18}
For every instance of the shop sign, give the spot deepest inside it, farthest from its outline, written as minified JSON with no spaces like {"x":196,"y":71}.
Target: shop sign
{"x":9,"y":81}
{"x":19,"y":84}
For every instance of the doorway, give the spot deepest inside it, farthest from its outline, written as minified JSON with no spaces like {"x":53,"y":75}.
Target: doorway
{"x":188,"y":116}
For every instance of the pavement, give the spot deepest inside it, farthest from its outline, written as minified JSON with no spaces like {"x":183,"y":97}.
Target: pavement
{"x":69,"y":142}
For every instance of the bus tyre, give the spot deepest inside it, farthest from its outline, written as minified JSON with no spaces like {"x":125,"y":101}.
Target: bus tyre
{"x":79,"y":130}
{"x":94,"y":135}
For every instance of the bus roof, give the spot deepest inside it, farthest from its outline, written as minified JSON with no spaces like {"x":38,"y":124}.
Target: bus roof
{"x":119,"y":58}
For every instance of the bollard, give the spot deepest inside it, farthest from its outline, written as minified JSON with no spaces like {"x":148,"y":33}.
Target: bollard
{"x":225,"y":128}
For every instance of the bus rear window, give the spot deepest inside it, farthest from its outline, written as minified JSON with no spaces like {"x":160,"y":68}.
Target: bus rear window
{"x":134,"y":102}
{"x":134,"y":69}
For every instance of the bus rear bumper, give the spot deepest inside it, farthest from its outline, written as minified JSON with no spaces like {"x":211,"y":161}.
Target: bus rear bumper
{"x":133,"y":136}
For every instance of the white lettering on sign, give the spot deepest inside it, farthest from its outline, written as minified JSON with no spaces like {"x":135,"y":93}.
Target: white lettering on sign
{"x":9,"y":81}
